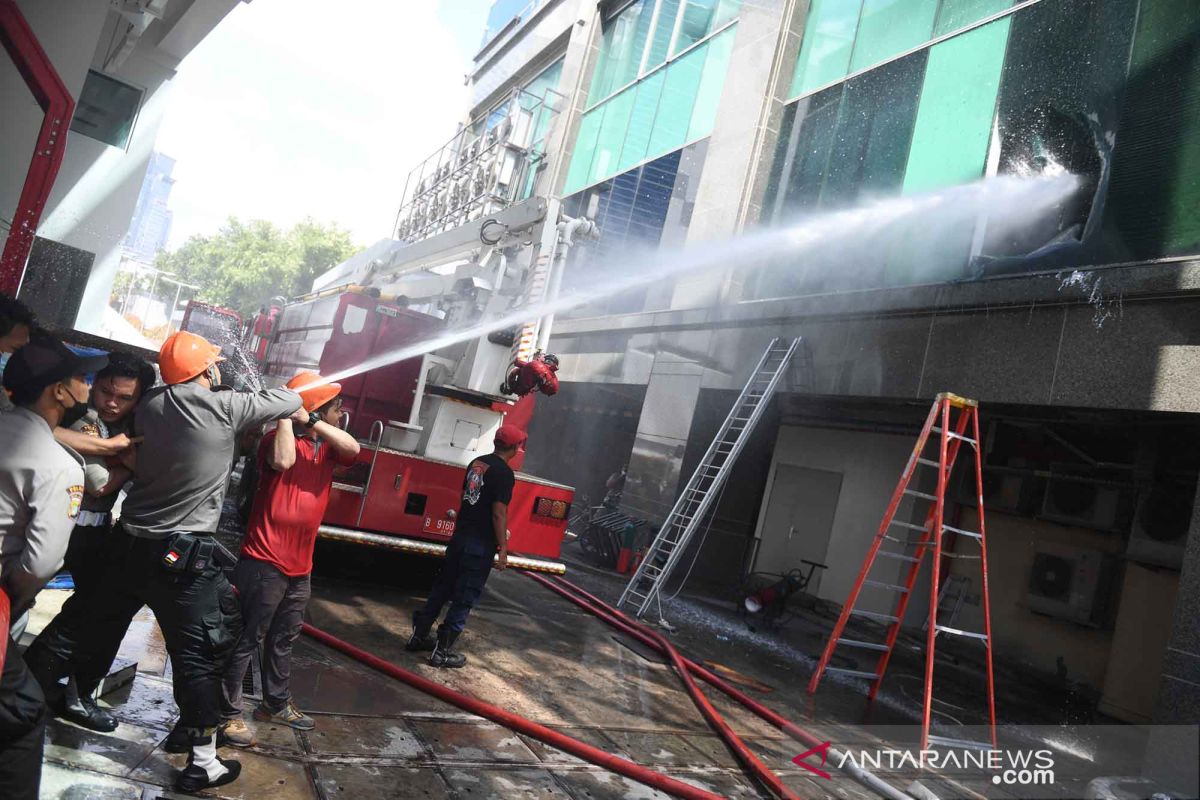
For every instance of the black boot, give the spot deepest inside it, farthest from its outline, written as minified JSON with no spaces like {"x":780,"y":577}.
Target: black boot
{"x":179,"y":740}
{"x":194,"y":779}
{"x":420,"y":641}
{"x":441,"y":655}
{"x":80,"y":708}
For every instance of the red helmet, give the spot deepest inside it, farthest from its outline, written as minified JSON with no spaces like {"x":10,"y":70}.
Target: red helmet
{"x":185,"y":355}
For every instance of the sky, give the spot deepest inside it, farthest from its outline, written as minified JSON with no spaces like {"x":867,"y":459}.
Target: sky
{"x":292,"y":109}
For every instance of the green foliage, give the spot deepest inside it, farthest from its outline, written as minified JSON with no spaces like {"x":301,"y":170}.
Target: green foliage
{"x":245,"y":264}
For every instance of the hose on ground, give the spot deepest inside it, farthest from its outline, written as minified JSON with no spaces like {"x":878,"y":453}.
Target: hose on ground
{"x":637,"y":630}
{"x":579,"y":749}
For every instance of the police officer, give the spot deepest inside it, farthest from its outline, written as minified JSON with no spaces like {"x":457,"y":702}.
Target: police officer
{"x":41,"y":487}
{"x":480,"y":535}
{"x":162,"y":552}
{"x":16,"y":324}
{"x":102,"y":437}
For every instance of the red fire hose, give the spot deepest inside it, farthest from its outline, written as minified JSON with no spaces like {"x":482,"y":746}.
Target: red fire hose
{"x":637,"y":630}
{"x":756,"y":768}
{"x":517,"y":723}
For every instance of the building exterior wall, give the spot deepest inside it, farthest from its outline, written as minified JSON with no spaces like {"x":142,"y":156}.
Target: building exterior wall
{"x":98,"y":184}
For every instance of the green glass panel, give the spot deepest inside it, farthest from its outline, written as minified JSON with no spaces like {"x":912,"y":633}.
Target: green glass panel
{"x":726,"y":10}
{"x":664,"y":29}
{"x":957,"y":14}
{"x":621,"y":49}
{"x":698,"y":21}
{"x":958,"y":101}
{"x":612,"y":135}
{"x":708,"y":95}
{"x":888,"y":28}
{"x":641,"y":120}
{"x":675,"y":107}
{"x":828,"y":39}
{"x":585,"y":148}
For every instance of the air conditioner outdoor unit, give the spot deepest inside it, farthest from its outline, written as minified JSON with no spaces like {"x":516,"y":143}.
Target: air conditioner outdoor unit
{"x":1009,"y":493}
{"x":1071,"y":583}
{"x":1160,"y":526}
{"x":1086,"y":505}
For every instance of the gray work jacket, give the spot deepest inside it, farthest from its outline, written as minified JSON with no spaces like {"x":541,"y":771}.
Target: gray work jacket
{"x":184,"y":460}
{"x":41,"y":487}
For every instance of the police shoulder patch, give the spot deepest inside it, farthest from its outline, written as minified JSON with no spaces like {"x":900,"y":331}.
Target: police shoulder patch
{"x":76,"y":494}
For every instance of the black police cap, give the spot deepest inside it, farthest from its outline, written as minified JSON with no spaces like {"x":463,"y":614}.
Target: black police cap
{"x":44,"y":361}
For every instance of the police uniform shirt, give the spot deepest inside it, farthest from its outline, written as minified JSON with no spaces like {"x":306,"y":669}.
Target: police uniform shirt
{"x":41,"y":488}
{"x":183,"y":462}
{"x":95,"y":470}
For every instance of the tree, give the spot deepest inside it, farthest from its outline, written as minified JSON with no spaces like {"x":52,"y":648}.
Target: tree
{"x":245,"y":264}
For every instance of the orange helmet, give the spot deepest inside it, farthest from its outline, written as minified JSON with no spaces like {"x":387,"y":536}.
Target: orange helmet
{"x":185,"y":355}
{"x":317,"y":396}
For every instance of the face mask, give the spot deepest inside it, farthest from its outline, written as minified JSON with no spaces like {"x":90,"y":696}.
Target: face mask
{"x":74,"y":413}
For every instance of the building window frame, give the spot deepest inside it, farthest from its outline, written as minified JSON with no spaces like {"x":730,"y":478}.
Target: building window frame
{"x":643,"y":73}
{"x":923,"y":46}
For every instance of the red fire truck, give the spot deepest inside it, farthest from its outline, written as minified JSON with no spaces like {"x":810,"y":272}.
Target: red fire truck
{"x":424,"y":417}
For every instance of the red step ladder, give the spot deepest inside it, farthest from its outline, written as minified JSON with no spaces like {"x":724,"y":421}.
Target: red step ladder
{"x":955,"y":421}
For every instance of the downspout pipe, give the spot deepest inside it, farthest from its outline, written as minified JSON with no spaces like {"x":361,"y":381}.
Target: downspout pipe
{"x":624,"y":623}
{"x":517,"y":723}
{"x":51,"y":94}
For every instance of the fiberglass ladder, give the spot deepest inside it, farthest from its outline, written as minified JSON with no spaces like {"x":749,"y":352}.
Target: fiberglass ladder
{"x":698,"y":495}
{"x":951,"y":434}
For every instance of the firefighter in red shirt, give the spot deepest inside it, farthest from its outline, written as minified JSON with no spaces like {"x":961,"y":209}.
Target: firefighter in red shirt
{"x":536,"y":374}
{"x":272,"y":575}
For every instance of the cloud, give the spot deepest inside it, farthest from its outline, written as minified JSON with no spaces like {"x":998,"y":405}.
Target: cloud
{"x":295,"y":108}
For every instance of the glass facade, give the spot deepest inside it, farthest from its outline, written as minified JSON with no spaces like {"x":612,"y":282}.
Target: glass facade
{"x":655,"y":87}
{"x":1108,"y":91}
{"x":846,"y":36}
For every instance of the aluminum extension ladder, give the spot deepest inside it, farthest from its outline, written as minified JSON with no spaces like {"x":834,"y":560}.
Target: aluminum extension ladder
{"x":953,"y":431}
{"x":698,"y":496}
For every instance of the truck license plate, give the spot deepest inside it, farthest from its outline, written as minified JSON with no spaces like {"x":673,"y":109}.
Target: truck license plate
{"x":442,"y":526}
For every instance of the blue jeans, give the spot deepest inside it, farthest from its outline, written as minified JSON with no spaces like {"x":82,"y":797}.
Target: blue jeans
{"x":459,"y":583}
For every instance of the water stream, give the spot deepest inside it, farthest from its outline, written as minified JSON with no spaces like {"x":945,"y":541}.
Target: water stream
{"x":1009,"y":203}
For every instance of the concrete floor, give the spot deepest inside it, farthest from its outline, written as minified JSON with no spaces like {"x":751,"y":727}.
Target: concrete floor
{"x":529,"y":652}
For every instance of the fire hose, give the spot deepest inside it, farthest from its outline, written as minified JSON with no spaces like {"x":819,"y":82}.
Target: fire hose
{"x":756,"y":768}
{"x":637,"y":630}
{"x":517,"y":723}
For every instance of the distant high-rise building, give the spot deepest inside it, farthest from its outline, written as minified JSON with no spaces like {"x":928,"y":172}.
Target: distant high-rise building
{"x":151,"y":223}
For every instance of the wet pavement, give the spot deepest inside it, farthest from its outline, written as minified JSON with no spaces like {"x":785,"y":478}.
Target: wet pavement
{"x":530,"y":652}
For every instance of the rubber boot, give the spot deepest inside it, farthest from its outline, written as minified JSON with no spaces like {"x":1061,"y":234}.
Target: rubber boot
{"x":441,"y":655}
{"x":420,"y":641}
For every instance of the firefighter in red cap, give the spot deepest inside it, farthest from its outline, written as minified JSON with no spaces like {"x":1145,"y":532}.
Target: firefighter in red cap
{"x":480,"y":538}
{"x":162,"y":551}
{"x":295,"y":468}
{"x":536,"y":374}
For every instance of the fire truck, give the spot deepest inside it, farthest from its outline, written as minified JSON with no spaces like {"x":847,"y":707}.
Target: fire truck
{"x":423,"y":418}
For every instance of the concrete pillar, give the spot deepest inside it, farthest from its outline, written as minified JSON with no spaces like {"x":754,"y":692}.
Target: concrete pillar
{"x":1171,"y":757}
{"x":742,"y":146}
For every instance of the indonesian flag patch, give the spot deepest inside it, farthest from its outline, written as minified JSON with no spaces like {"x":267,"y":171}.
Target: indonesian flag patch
{"x":76,"y":494}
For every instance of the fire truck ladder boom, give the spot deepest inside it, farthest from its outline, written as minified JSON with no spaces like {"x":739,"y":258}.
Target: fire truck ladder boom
{"x":701,"y":490}
{"x":954,"y":422}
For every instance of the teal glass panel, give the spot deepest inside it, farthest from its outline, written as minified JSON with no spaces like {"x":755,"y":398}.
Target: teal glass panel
{"x":958,"y":101}
{"x":698,"y":21}
{"x":664,"y":28}
{"x":540,"y":97}
{"x":956,"y":14}
{"x":675,"y":107}
{"x":828,"y":40}
{"x":726,"y":10}
{"x":585,"y":148}
{"x":641,"y":120}
{"x":612,"y":135}
{"x":708,"y":95}
{"x":888,"y":28}
{"x":621,"y":49}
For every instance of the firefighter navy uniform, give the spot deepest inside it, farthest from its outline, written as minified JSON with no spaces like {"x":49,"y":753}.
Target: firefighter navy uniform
{"x":161,"y":552}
